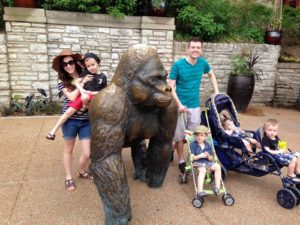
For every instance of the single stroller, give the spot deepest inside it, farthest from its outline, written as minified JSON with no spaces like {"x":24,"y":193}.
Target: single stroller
{"x":233,"y":154}
{"x":190,"y":169}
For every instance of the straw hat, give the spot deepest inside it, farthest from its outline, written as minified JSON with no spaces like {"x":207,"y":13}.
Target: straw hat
{"x":201,"y":129}
{"x":63,"y":53}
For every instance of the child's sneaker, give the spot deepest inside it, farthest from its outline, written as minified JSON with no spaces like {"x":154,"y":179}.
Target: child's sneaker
{"x":216,"y":190}
{"x":202,"y":194}
{"x":181,"y":167}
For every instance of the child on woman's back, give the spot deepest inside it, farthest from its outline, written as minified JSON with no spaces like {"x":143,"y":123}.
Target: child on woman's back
{"x":232,"y":130}
{"x":202,"y":159}
{"x":283,"y":156}
{"x":88,"y":90}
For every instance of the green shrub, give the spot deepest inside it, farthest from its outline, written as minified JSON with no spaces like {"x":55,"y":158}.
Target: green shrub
{"x":221,"y":20}
{"x":201,"y":25}
{"x":291,"y":26}
{"x":118,"y":8}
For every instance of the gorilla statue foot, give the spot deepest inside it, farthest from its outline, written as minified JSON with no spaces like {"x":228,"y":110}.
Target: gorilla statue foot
{"x":140,"y":175}
{"x":155,"y":180}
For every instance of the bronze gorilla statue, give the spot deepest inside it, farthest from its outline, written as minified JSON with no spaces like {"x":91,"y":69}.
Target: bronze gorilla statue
{"x":137,"y":105}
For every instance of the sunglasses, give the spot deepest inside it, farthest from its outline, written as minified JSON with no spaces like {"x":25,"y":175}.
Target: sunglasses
{"x":71,"y":63}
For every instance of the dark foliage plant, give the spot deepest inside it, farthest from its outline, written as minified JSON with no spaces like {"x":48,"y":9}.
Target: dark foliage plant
{"x":31,"y":105}
{"x":244,"y":64}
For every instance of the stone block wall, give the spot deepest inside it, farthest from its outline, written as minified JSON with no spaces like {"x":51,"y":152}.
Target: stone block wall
{"x":4,"y":75}
{"x":287,"y":85}
{"x":35,"y":37}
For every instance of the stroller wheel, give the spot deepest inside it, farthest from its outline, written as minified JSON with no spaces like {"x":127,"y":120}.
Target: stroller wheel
{"x":296,"y":191}
{"x":228,"y":199}
{"x":198,"y":202}
{"x":286,"y":198}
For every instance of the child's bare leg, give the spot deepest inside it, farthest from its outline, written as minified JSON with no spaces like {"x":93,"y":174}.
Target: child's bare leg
{"x":248,"y":147}
{"x":291,"y":167}
{"x":217,"y":171}
{"x":64,"y":117}
{"x":85,"y":99}
{"x":200,"y":180}
{"x":256,"y":143}
{"x":297,"y":170}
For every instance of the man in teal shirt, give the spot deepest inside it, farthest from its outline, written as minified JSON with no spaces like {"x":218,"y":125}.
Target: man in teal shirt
{"x":185,"y":79}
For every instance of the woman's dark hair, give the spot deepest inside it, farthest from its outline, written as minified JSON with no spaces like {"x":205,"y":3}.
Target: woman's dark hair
{"x":65,"y":77}
{"x":91,"y":55}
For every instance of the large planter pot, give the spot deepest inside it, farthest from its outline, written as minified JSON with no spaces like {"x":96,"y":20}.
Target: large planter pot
{"x":240,"y":90}
{"x":273,"y":37}
{"x":25,"y":3}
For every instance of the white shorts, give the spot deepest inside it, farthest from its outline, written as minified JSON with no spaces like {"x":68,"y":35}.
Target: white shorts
{"x":187,"y":121}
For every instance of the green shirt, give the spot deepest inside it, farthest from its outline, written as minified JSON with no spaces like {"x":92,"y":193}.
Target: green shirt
{"x":188,"y":80}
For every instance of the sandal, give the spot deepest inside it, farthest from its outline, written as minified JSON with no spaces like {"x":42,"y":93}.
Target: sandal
{"x":70,"y":185}
{"x":50,"y":136}
{"x":85,"y":175}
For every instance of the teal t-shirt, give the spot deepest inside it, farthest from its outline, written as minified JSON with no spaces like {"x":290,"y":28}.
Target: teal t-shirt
{"x":188,"y":79}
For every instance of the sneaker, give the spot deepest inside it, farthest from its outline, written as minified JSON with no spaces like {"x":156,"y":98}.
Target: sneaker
{"x":202,"y":194}
{"x":216,"y":190}
{"x":181,"y":167}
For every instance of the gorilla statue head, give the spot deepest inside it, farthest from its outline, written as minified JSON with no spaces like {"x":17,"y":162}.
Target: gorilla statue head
{"x":141,"y":74}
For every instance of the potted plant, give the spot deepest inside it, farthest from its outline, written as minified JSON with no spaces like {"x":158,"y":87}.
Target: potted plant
{"x":273,"y":34}
{"x":158,"y":7}
{"x":242,"y":78}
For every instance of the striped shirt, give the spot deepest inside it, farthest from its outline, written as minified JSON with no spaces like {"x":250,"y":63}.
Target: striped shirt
{"x":83,"y":116}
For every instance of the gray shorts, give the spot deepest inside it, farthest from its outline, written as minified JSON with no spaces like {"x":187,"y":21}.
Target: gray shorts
{"x":187,"y":121}
{"x":207,"y":165}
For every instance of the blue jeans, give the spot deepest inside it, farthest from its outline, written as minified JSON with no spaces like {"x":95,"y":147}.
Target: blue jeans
{"x":72,"y":127}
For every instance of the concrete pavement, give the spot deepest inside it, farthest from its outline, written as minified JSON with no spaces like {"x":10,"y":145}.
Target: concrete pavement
{"x":32,"y":183}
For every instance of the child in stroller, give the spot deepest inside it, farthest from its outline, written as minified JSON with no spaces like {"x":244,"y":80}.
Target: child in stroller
{"x":202,"y":156}
{"x":247,"y":140}
{"x":270,"y":142}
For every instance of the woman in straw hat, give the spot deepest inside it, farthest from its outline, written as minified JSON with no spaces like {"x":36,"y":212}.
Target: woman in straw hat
{"x":68,"y":68}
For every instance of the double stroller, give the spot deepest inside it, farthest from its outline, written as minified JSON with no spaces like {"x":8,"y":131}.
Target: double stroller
{"x":233,"y":154}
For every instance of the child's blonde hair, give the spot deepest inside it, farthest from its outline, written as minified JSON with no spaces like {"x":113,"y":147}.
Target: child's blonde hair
{"x":270,"y":122}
